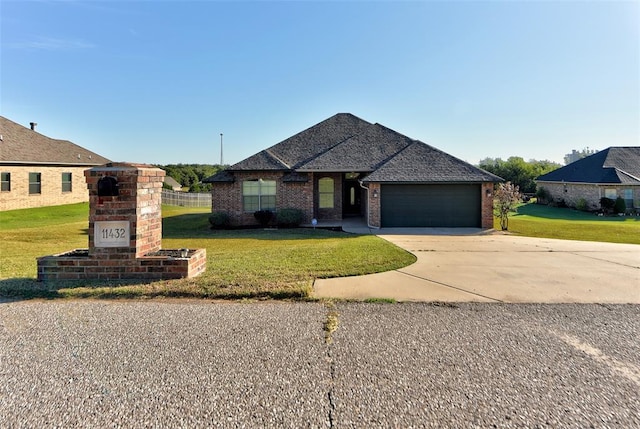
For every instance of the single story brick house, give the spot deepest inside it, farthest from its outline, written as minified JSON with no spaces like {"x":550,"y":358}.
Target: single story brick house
{"x":37,"y":171}
{"x":345,"y":166}
{"x":613,"y":172}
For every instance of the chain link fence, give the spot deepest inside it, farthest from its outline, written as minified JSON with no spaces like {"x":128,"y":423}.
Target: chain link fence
{"x":186,"y":199}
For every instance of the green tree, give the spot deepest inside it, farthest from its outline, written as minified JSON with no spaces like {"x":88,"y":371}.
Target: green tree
{"x":191,"y":175}
{"x":518,"y":171}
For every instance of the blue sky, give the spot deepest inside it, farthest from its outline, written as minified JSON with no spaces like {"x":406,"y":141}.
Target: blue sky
{"x":158,"y":81}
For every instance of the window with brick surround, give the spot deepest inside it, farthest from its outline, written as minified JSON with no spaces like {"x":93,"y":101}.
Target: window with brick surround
{"x":610,"y":193}
{"x":35,"y":183}
{"x":258,"y":195}
{"x":66,"y":182}
{"x":325,"y":193}
{"x":5,"y":180}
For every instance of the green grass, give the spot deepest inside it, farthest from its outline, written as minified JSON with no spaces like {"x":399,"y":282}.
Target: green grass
{"x":534,"y":220}
{"x":252,"y":263}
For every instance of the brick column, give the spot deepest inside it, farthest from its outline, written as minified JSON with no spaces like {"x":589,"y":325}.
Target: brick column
{"x":135,"y":210}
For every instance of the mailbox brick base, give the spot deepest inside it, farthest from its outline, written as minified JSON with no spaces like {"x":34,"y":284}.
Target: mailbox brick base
{"x":74,"y":265}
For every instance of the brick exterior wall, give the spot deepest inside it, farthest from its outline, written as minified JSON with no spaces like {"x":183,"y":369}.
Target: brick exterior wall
{"x":51,"y":187}
{"x":486,"y":211}
{"x":227,"y":197}
{"x":374,"y":204}
{"x":571,"y":193}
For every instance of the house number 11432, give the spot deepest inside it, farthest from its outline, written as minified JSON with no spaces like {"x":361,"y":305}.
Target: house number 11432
{"x":111,"y":234}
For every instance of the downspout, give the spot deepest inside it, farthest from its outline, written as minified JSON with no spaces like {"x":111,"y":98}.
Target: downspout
{"x":367,"y":189}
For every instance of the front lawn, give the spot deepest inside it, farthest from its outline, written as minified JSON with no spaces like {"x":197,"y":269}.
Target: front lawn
{"x":240,"y":263}
{"x":536,"y":220}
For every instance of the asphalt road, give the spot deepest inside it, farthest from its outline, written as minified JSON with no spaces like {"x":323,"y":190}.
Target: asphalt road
{"x":206,"y":364}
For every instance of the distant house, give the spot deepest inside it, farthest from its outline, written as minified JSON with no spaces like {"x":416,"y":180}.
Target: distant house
{"x":36,"y":170}
{"x":345,"y":166}
{"x":172,"y":183}
{"x":612,"y":173}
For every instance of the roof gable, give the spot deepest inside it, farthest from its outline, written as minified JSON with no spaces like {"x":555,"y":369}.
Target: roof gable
{"x":611,"y":165}
{"x":422,"y":163}
{"x":306,"y":145}
{"x":21,"y":145}
{"x":362,"y":152}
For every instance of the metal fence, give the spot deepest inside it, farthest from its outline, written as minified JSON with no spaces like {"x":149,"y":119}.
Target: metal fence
{"x":185,"y":199}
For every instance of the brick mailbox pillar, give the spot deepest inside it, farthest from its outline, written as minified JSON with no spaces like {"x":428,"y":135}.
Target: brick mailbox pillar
{"x":125,"y":213}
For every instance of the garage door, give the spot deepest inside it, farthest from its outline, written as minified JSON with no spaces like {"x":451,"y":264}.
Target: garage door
{"x":430,"y":206}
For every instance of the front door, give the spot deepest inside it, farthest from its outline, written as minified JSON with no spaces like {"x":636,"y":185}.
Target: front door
{"x":351,"y":198}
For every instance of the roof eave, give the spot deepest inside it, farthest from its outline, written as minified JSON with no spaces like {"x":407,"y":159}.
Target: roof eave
{"x":52,"y":164}
{"x":335,"y":170}
{"x":429,"y":182}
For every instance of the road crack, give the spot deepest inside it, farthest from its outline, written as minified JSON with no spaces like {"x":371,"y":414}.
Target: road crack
{"x":330,"y":325}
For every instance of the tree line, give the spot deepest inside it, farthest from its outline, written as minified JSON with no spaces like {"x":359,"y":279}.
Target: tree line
{"x":190,"y":176}
{"x":518,"y":171}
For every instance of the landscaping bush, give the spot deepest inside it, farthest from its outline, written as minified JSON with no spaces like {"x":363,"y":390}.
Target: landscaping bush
{"x":619,"y":206}
{"x":289,"y":217}
{"x":219,"y":220}
{"x":582,"y":205}
{"x":263,"y":217}
{"x":543,"y":196}
{"x":607,"y":204}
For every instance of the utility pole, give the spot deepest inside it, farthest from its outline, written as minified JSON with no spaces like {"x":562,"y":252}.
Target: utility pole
{"x":221,"y":153}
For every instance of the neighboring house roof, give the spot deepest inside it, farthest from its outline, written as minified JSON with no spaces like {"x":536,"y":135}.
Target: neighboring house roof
{"x":346,"y":143}
{"x":612,"y":165}
{"x":22,"y":145}
{"x":173,"y":183}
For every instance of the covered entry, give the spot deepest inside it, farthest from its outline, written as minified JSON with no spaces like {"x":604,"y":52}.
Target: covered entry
{"x":418,"y":205}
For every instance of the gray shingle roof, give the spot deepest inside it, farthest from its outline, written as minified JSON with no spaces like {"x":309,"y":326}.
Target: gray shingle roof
{"x":306,"y":145}
{"x":22,"y":145}
{"x":612,"y":165}
{"x":421,"y":163}
{"x":346,"y":143}
{"x":362,"y":152}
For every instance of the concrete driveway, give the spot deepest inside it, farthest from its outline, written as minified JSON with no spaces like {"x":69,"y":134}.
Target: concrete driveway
{"x":498,"y":267}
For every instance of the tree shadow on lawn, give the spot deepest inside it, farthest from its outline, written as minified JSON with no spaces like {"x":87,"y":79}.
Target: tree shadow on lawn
{"x":197,"y":226}
{"x":566,"y":213}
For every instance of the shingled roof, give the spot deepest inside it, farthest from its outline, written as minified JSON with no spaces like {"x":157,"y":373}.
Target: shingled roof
{"x":421,"y":163}
{"x":612,"y":165}
{"x":306,"y":145}
{"x":346,"y":143}
{"x":22,"y":145}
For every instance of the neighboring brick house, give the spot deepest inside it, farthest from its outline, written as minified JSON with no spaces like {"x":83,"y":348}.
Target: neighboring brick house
{"x":37,"y":171}
{"x":345,"y":166}
{"x":612,"y":173}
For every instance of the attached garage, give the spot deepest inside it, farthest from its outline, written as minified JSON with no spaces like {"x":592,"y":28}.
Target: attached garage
{"x":432,"y":205}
